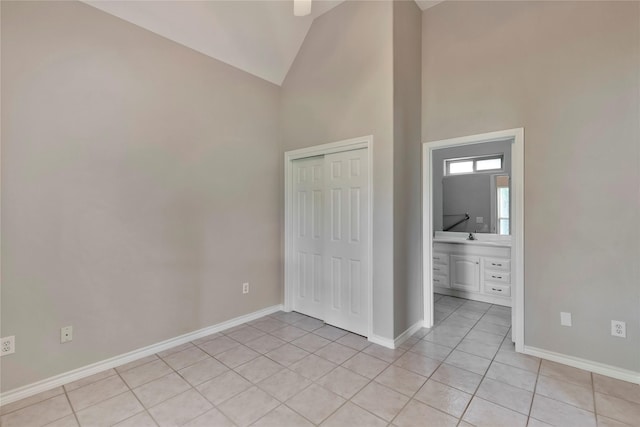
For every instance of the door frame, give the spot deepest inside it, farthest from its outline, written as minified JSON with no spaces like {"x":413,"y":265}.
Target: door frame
{"x":321,"y":150}
{"x":517,"y":242}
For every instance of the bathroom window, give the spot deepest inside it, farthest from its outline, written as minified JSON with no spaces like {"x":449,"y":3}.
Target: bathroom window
{"x":502,"y":198}
{"x":473,"y":165}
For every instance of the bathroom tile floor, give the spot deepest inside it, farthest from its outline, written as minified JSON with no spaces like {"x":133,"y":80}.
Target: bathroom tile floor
{"x":287,"y":369}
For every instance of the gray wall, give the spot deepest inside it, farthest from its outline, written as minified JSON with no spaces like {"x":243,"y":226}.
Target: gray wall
{"x":438,"y":174}
{"x":407,"y":198}
{"x":340,"y":86}
{"x":568,"y":73}
{"x":141,"y":185}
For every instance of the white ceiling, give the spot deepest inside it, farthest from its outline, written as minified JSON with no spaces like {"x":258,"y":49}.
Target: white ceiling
{"x":261,"y":37}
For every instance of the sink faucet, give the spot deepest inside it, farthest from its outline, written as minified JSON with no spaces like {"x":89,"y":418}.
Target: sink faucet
{"x":471,"y":237}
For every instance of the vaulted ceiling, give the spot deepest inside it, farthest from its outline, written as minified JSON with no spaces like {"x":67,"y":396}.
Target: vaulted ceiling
{"x":260,"y":37}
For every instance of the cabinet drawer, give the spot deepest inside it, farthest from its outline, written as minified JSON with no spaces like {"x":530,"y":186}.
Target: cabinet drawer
{"x":497,"y":264}
{"x":442,"y":281}
{"x":439,"y":258}
{"x":441,"y":269}
{"x":497,"y":289}
{"x":497,"y":276}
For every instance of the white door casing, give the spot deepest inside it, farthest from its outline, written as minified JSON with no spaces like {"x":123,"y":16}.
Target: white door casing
{"x":517,"y":217}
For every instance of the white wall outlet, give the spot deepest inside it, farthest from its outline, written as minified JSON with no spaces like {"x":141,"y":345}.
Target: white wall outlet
{"x":565,"y":318}
{"x":619,"y":328}
{"x":245,"y":288}
{"x":66,"y":334}
{"x":479,"y":220}
{"x":7,"y":345}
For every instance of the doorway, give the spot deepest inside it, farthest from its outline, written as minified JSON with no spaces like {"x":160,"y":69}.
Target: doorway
{"x":515,"y":241}
{"x":328,"y":233}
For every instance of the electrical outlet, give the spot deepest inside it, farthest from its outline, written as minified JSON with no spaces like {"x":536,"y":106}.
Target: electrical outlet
{"x":618,"y":328}
{"x":7,"y":345}
{"x":245,"y":288}
{"x":66,"y":334}
{"x":479,"y":220}
{"x":565,"y":318}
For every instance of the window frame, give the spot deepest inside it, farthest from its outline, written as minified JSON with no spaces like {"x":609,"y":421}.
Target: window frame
{"x":474,"y":160}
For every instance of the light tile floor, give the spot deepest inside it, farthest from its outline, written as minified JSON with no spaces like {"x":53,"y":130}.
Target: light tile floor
{"x":287,"y":369}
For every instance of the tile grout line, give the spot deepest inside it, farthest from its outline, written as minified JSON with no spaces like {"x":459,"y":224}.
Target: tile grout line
{"x":136,"y":397}
{"x":429,"y":377}
{"x":330,"y":391}
{"x":440,"y":364}
{"x":461,"y":418}
{"x":349,"y":400}
{"x":313,"y":382}
{"x":535,"y":387}
{"x":73,"y":411}
{"x":280,"y":403}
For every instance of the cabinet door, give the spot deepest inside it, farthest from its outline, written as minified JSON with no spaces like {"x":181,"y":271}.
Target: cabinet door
{"x":465,"y":273}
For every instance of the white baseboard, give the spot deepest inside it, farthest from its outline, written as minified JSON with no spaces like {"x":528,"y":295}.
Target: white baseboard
{"x":395,"y":343}
{"x":406,"y":334}
{"x":385,"y":342}
{"x":67,"y":377}
{"x":587,"y":365}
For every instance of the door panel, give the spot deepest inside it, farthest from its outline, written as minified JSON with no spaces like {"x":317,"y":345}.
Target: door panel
{"x":347,"y":244}
{"x":308,"y":215}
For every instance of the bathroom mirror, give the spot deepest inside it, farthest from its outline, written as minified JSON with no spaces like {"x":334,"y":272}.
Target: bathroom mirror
{"x":471,"y":188}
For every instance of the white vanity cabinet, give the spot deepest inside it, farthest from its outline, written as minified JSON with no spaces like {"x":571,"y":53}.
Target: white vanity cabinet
{"x":473,"y":270}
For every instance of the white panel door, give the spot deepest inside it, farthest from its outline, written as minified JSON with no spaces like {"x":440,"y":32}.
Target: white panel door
{"x":308,"y":230}
{"x":347,"y":240}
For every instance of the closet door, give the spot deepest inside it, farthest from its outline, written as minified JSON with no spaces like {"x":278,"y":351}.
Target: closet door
{"x":308,"y":210}
{"x":346,"y":240}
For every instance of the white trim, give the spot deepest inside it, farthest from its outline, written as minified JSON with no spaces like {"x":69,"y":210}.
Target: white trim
{"x":330,"y":148}
{"x":385,"y":342}
{"x":319,"y":150}
{"x":517,"y":181}
{"x":517,"y":247}
{"x":427,"y":238}
{"x":393,"y":344}
{"x":400,"y":339}
{"x":587,"y":365}
{"x":94,"y":368}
